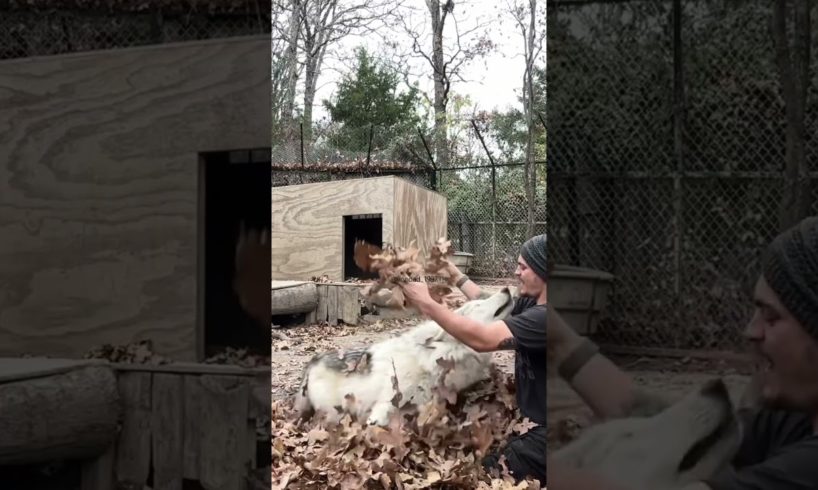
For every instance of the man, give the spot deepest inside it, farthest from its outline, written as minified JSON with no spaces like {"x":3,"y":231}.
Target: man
{"x":779,"y":449}
{"x":524,"y":332}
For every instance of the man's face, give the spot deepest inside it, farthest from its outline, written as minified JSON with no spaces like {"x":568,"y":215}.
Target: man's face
{"x":530,"y":282}
{"x":787,"y":354}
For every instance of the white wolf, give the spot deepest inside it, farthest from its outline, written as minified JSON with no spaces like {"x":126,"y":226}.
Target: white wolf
{"x":411,"y":357}
{"x":686,"y":442}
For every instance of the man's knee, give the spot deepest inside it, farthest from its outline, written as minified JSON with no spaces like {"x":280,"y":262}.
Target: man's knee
{"x":524,"y":456}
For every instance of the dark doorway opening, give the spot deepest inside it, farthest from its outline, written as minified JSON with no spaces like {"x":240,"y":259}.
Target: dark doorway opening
{"x":366,"y":227}
{"x":234,"y":188}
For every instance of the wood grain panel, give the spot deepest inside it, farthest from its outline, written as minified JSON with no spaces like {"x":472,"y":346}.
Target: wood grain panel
{"x":134,"y":442}
{"x":420,"y":215}
{"x":223,"y":432}
{"x":307,"y":223}
{"x":191,"y":427}
{"x":167,"y":436}
{"x":332,"y":304}
{"x":102,"y":157}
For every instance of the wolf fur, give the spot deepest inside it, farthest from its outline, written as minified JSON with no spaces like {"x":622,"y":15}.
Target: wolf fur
{"x":366,"y":374}
{"x":647,"y":452}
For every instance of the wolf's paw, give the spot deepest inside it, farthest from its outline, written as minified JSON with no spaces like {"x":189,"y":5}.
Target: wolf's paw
{"x":379,"y":415}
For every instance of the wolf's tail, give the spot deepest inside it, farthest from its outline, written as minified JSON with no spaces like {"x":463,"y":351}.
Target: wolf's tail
{"x":302,"y":405}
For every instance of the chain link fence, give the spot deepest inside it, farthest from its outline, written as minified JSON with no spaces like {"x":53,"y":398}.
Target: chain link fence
{"x":681,"y":222}
{"x":40,"y":28}
{"x":488,"y":215}
{"x":488,"y":208}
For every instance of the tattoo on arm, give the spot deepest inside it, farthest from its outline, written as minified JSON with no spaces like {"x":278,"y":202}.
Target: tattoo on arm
{"x":507,"y":344}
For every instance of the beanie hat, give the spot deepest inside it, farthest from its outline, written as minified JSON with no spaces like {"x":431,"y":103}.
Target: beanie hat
{"x":533,"y":252}
{"x":791,"y":269}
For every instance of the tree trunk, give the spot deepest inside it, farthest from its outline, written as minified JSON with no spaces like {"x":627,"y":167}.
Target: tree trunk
{"x":440,"y":81}
{"x":530,"y":170}
{"x":291,"y":63}
{"x":794,"y":76}
{"x":315,"y":56}
{"x":297,"y":298}
{"x":71,"y":414}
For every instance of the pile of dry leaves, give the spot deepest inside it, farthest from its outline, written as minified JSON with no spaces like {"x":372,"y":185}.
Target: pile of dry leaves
{"x":238,"y":357}
{"x":140,"y":352}
{"x":439,"y":445}
{"x":395,"y":265}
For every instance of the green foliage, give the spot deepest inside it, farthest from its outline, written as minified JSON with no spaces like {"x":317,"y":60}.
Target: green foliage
{"x":369,"y":96}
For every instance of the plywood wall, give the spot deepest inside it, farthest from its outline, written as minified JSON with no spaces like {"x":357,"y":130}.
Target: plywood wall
{"x":101,"y":155}
{"x":420,"y":215}
{"x":307,"y":223}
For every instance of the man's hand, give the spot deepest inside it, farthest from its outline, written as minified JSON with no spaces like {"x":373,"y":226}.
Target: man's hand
{"x":417,"y":293}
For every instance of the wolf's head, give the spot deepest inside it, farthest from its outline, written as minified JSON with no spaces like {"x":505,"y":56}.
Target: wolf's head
{"x":687,"y":442}
{"x":489,"y":309}
{"x":485,"y":310}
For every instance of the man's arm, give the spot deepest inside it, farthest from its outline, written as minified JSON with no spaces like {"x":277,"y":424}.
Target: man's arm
{"x":479,"y":336}
{"x":469,"y":288}
{"x":606,"y":389}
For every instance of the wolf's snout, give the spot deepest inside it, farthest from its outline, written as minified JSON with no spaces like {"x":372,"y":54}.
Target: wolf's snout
{"x":715,"y":389}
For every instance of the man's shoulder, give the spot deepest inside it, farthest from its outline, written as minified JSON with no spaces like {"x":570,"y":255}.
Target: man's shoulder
{"x":523,"y":303}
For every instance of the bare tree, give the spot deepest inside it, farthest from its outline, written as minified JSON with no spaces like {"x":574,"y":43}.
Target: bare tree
{"x":446,"y":61}
{"x":794,"y":75}
{"x":286,"y":23}
{"x":526,"y":19}
{"x":323,"y":23}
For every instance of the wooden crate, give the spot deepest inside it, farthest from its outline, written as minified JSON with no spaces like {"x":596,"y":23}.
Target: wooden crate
{"x":190,"y":422}
{"x":186,"y":421}
{"x":337,"y":302}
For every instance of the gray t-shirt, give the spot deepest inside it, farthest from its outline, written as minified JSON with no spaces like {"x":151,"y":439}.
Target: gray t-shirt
{"x":779,"y":452}
{"x":527,"y":325}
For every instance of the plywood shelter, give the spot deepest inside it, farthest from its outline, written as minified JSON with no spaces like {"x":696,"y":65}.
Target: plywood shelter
{"x":314,"y":226}
{"x":106,"y":151}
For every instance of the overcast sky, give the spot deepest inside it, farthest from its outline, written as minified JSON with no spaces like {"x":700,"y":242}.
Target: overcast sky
{"x":494,"y":81}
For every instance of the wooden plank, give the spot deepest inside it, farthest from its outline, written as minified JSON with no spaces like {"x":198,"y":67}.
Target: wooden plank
{"x":134,"y":443}
{"x":321,"y":312}
{"x":420,"y":215}
{"x":307,"y":222}
{"x":250,"y":440}
{"x":354,"y":304}
{"x":223,"y":445}
{"x":312,"y":317}
{"x":193,"y":368}
{"x":332,"y":305}
{"x":260,"y":397}
{"x":276,"y":284}
{"x":167,"y":437}
{"x":70,"y":282}
{"x":192,"y":427}
{"x":98,"y":473}
{"x":351,"y":309}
